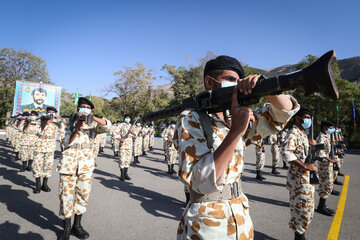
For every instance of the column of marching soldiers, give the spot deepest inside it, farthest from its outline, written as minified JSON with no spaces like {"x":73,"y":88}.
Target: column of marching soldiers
{"x":33,"y":138}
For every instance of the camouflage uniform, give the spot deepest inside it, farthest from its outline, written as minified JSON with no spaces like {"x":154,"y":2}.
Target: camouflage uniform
{"x":260,"y":155}
{"x":222,"y":219}
{"x":326,"y":174}
{"x":18,"y":135}
{"x":76,"y":167}
{"x":151,"y":137}
{"x":45,"y":148}
{"x":28,"y":140}
{"x":275,"y":150}
{"x":165,"y":145}
{"x":103,"y":137}
{"x":116,"y":134}
{"x":145,"y":133}
{"x":126,"y":146}
{"x":138,"y":141}
{"x":302,"y":203}
{"x":171,"y":150}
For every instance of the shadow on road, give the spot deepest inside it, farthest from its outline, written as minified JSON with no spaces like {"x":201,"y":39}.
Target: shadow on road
{"x":155,"y":203}
{"x":253,"y":179}
{"x":267,"y":200}
{"x":10,"y":231}
{"x":262,"y":236}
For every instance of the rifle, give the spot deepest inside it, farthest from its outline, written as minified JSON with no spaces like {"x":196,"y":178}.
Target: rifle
{"x":311,"y":158}
{"x":333,"y":152}
{"x":130,"y":131}
{"x":316,"y":79}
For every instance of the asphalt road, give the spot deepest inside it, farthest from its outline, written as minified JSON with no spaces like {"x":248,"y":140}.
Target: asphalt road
{"x":150,"y":205}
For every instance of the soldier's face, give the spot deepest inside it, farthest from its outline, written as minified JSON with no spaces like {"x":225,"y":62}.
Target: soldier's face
{"x":39,"y":97}
{"x":227,"y":75}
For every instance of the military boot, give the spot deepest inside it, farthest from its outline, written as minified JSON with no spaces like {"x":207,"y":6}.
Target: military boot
{"x":126,"y":174}
{"x":322,"y":208}
{"x":340,"y":174}
{"x":144,"y":153}
{"x":274,"y":171}
{"x":101,"y":149}
{"x":338,"y":182}
{"x":67,"y":230}
{"x":17,"y":156}
{"x":259,"y":175}
{"x":24,"y":166}
{"x":299,"y":236}
{"x":334,"y":192}
{"x":187,"y":195}
{"x":169,"y":169}
{"x":38,"y":185}
{"x":29,"y":167}
{"x":137,"y":159}
{"x":172,"y":168}
{"x":77,"y":230}
{"x":45,"y":187}
{"x":151,"y":148}
{"x":285,"y":166}
{"x":122,"y":178}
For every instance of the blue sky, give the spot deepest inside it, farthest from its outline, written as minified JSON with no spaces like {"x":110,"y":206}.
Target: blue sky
{"x":85,"y":42}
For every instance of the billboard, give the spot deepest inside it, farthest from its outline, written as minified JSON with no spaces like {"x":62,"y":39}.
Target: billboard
{"x":35,"y":96}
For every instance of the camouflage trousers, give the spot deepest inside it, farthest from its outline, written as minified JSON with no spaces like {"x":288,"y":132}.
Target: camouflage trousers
{"x":339,"y":163}
{"x":302,"y":206}
{"x":74,"y":194}
{"x":146,"y":143}
{"x":103,"y":141}
{"x":216,"y":220}
{"x":138,"y":146}
{"x":260,"y":160}
{"x":166,"y":151}
{"x":326,"y":179}
{"x":116,"y":145}
{"x":26,"y":152}
{"x":275,"y":155}
{"x":125,"y":157}
{"x":172,"y":155}
{"x":42,"y":164}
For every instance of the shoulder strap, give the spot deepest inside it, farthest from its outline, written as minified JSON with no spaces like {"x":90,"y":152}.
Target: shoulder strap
{"x":208,"y":130}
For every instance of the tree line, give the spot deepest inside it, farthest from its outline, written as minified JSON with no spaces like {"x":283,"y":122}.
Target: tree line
{"x":133,"y":91}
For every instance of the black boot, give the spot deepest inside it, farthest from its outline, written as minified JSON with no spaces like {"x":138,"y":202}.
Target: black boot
{"x":165,"y":158}
{"x":151,"y":148}
{"x":144,"y":153}
{"x":169,"y":169}
{"x":187,"y":195}
{"x":299,"y":236}
{"x":285,"y":166}
{"x":340,"y":174}
{"x":24,"y":166}
{"x":122,"y":178}
{"x":67,"y":230}
{"x":17,"y":156}
{"x":77,"y":230}
{"x":274,"y":171}
{"x":134,"y":160}
{"x":101,"y":149}
{"x":126,"y":174}
{"x":29,"y":167}
{"x":338,"y":182}
{"x":45,"y":187}
{"x":259,"y":175}
{"x":137,"y":159}
{"x":38,"y":185}
{"x":334,"y":192}
{"x":172,"y":168}
{"x":322,"y":208}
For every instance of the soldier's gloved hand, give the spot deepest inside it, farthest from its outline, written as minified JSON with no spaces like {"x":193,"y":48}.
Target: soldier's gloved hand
{"x":240,"y":116}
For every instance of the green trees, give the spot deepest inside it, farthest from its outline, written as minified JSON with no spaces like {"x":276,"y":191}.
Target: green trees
{"x":17,"y":65}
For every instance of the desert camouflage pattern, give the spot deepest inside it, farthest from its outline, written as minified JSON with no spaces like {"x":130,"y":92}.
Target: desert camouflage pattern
{"x":151,"y":136}
{"x":116,"y":134}
{"x":138,"y":141}
{"x":102,"y":137}
{"x":301,"y":192}
{"x":126,"y":149}
{"x":96,"y":146}
{"x":275,"y":150}
{"x":165,"y":145}
{"x":171,"y":150}
{"x":325,"y":168}
{"x":18,"y":134}
{"x":227,"y":219}
{"x":74,"y":194}
{"x":145,"y":133}
{"x":76,"y":167}
{"x":28,"y":140}
{"x":260,"y":155}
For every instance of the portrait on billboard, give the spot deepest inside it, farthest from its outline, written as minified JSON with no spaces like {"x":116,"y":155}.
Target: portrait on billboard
{"x":30,"y":96}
